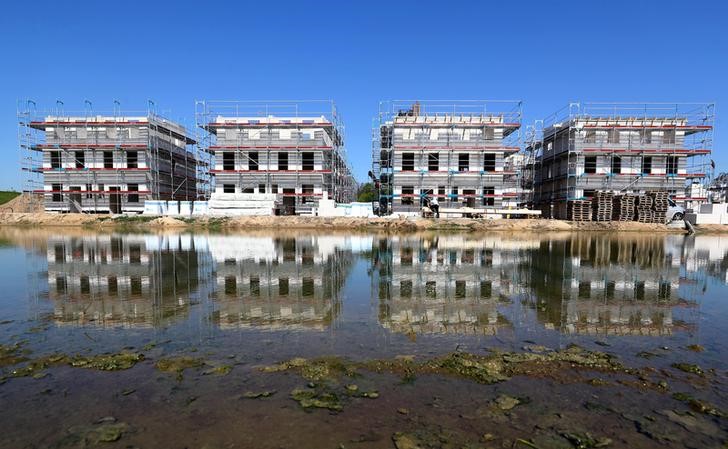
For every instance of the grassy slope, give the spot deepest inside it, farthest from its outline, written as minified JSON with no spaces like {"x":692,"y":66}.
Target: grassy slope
{"x":6,"y":196}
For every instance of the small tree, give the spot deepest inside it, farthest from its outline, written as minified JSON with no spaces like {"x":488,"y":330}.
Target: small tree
{"x":366,"y":193}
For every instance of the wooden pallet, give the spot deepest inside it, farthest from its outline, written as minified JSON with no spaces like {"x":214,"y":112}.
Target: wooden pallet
{"x":579,"y":210}
{"x":623,"y":207}
{"x":660,"y":204}
{"x":602,"y":203}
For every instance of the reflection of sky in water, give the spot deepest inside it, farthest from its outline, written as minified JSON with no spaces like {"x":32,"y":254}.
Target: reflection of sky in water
{"x":358,"y":293}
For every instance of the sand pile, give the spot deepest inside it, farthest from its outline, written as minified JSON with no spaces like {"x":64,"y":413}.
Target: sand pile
{"x":166,"y":222}
{"x":25,"y":203}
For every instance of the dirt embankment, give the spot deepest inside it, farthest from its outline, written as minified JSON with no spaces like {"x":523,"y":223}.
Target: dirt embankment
{"x":23,"y":203}
{"x":330,"y":223}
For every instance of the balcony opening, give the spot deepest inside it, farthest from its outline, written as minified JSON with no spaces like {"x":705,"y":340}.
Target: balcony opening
{"x":80,"y":158}
{"x":55,"y":159}
{"x":253,"y":161}
{"x":408,"y":162}
{"x":133,"y":197}
{"x":672,"y":165}
{"x":307,"y":191}
{"x":407,"y":195}
{"x":283,"y":160}
{"x":108,"y":159}
{"x":132,"y":159}
{"x":616,"y":165}
{"x":307,"y":161}
{"x":646,"y":165}
{"x":433,"y":162}
{"x":463,"y":162}
{"x":488,"y":196}
{"x":228,"y":161}
{"x":489,"y":162}
{"x":590,"y":164}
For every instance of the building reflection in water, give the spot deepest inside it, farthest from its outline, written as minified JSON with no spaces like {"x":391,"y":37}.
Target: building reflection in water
{"x":706,"y":255}
{"x":123,"y":280}
{"x":447,"y":283}
{"x":610,"y":285}
{"x":272,"y":283}
{"x":602,"y":284}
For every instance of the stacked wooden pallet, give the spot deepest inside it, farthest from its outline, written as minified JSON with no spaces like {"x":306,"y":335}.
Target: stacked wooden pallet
{"x":659,"y":205}
{"x":579,"y":210}
{"x":602,"y":206}
{"x":645,"y":214}
{"x":623,"y":207}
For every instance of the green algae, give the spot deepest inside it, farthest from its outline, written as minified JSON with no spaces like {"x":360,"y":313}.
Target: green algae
{"x":705,"y":408}
{"x":100,"y":433}
{"x":11,"y":354}
{"x":107,"y":362}
{"x":499,"y":367}
{"x":178,"y":364}
{"x":108,"y":433}
{"x":431,"y":437}
{"x":505,"y":402}
{"x":258,"y":394}
{"x":698,"y":405}
{"x":102,"y":362}
{"x":403,"y":440}
{"x":647,"y":355}
{"x":324,"y":399}
{"x":315,"y":370}
{"x":586,"y":440}
{"x":689,"y":368}
{"x":485,"y":369}
{"x":222,"y":370}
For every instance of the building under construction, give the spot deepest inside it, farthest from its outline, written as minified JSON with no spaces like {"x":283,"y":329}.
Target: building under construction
{"x":107,"y":163}
{"x":460,"y":152}
{"x":293,"y":149}
{"x":621,"y":148}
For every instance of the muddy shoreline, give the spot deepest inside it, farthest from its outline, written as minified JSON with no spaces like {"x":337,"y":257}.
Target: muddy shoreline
{"x":337,"y":223}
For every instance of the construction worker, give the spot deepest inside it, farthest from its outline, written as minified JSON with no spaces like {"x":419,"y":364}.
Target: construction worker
{"x":434,"y":206}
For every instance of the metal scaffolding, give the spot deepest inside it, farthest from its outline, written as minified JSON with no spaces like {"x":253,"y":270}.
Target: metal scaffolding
{"x":91,"y":161}
{"x":622,"y":147}
{"x":294,"y":149}
{"x":465,"y":153}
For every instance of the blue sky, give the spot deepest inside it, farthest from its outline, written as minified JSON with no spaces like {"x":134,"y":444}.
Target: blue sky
{"x":358,"y":53}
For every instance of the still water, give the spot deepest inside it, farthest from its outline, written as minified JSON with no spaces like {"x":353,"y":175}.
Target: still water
{"x":229,"y":305}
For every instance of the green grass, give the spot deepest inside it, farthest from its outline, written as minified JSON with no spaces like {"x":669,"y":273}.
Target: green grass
{"x":6,"y":196}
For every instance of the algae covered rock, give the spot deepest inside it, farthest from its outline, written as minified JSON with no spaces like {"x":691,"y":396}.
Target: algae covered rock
{"x":317,"y":399}
{"x":11,"y":354}
{"x":586,"y":440}
{"x":315,"y":370}
{"x":406,"y":441}
{"x":505,"y":402}
{"x":259,"y":394}
{"x":107,"y":362}
{"x":178,"y":364}
{"x":486,"y":370}
{"x":689,"y":368}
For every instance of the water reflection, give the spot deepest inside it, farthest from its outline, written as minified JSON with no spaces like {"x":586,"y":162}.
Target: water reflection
{"x":124,"y":280}
{"x":448,"y":284}
{"x":461,"y":284}
{"x":604,"y":284}
{"x":270,"y":282}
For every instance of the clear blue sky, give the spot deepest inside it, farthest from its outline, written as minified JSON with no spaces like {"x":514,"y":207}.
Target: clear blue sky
{"x":358,"y":53}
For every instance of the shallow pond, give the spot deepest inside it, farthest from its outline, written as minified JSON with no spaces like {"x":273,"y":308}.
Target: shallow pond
{"x":277,"y":340}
